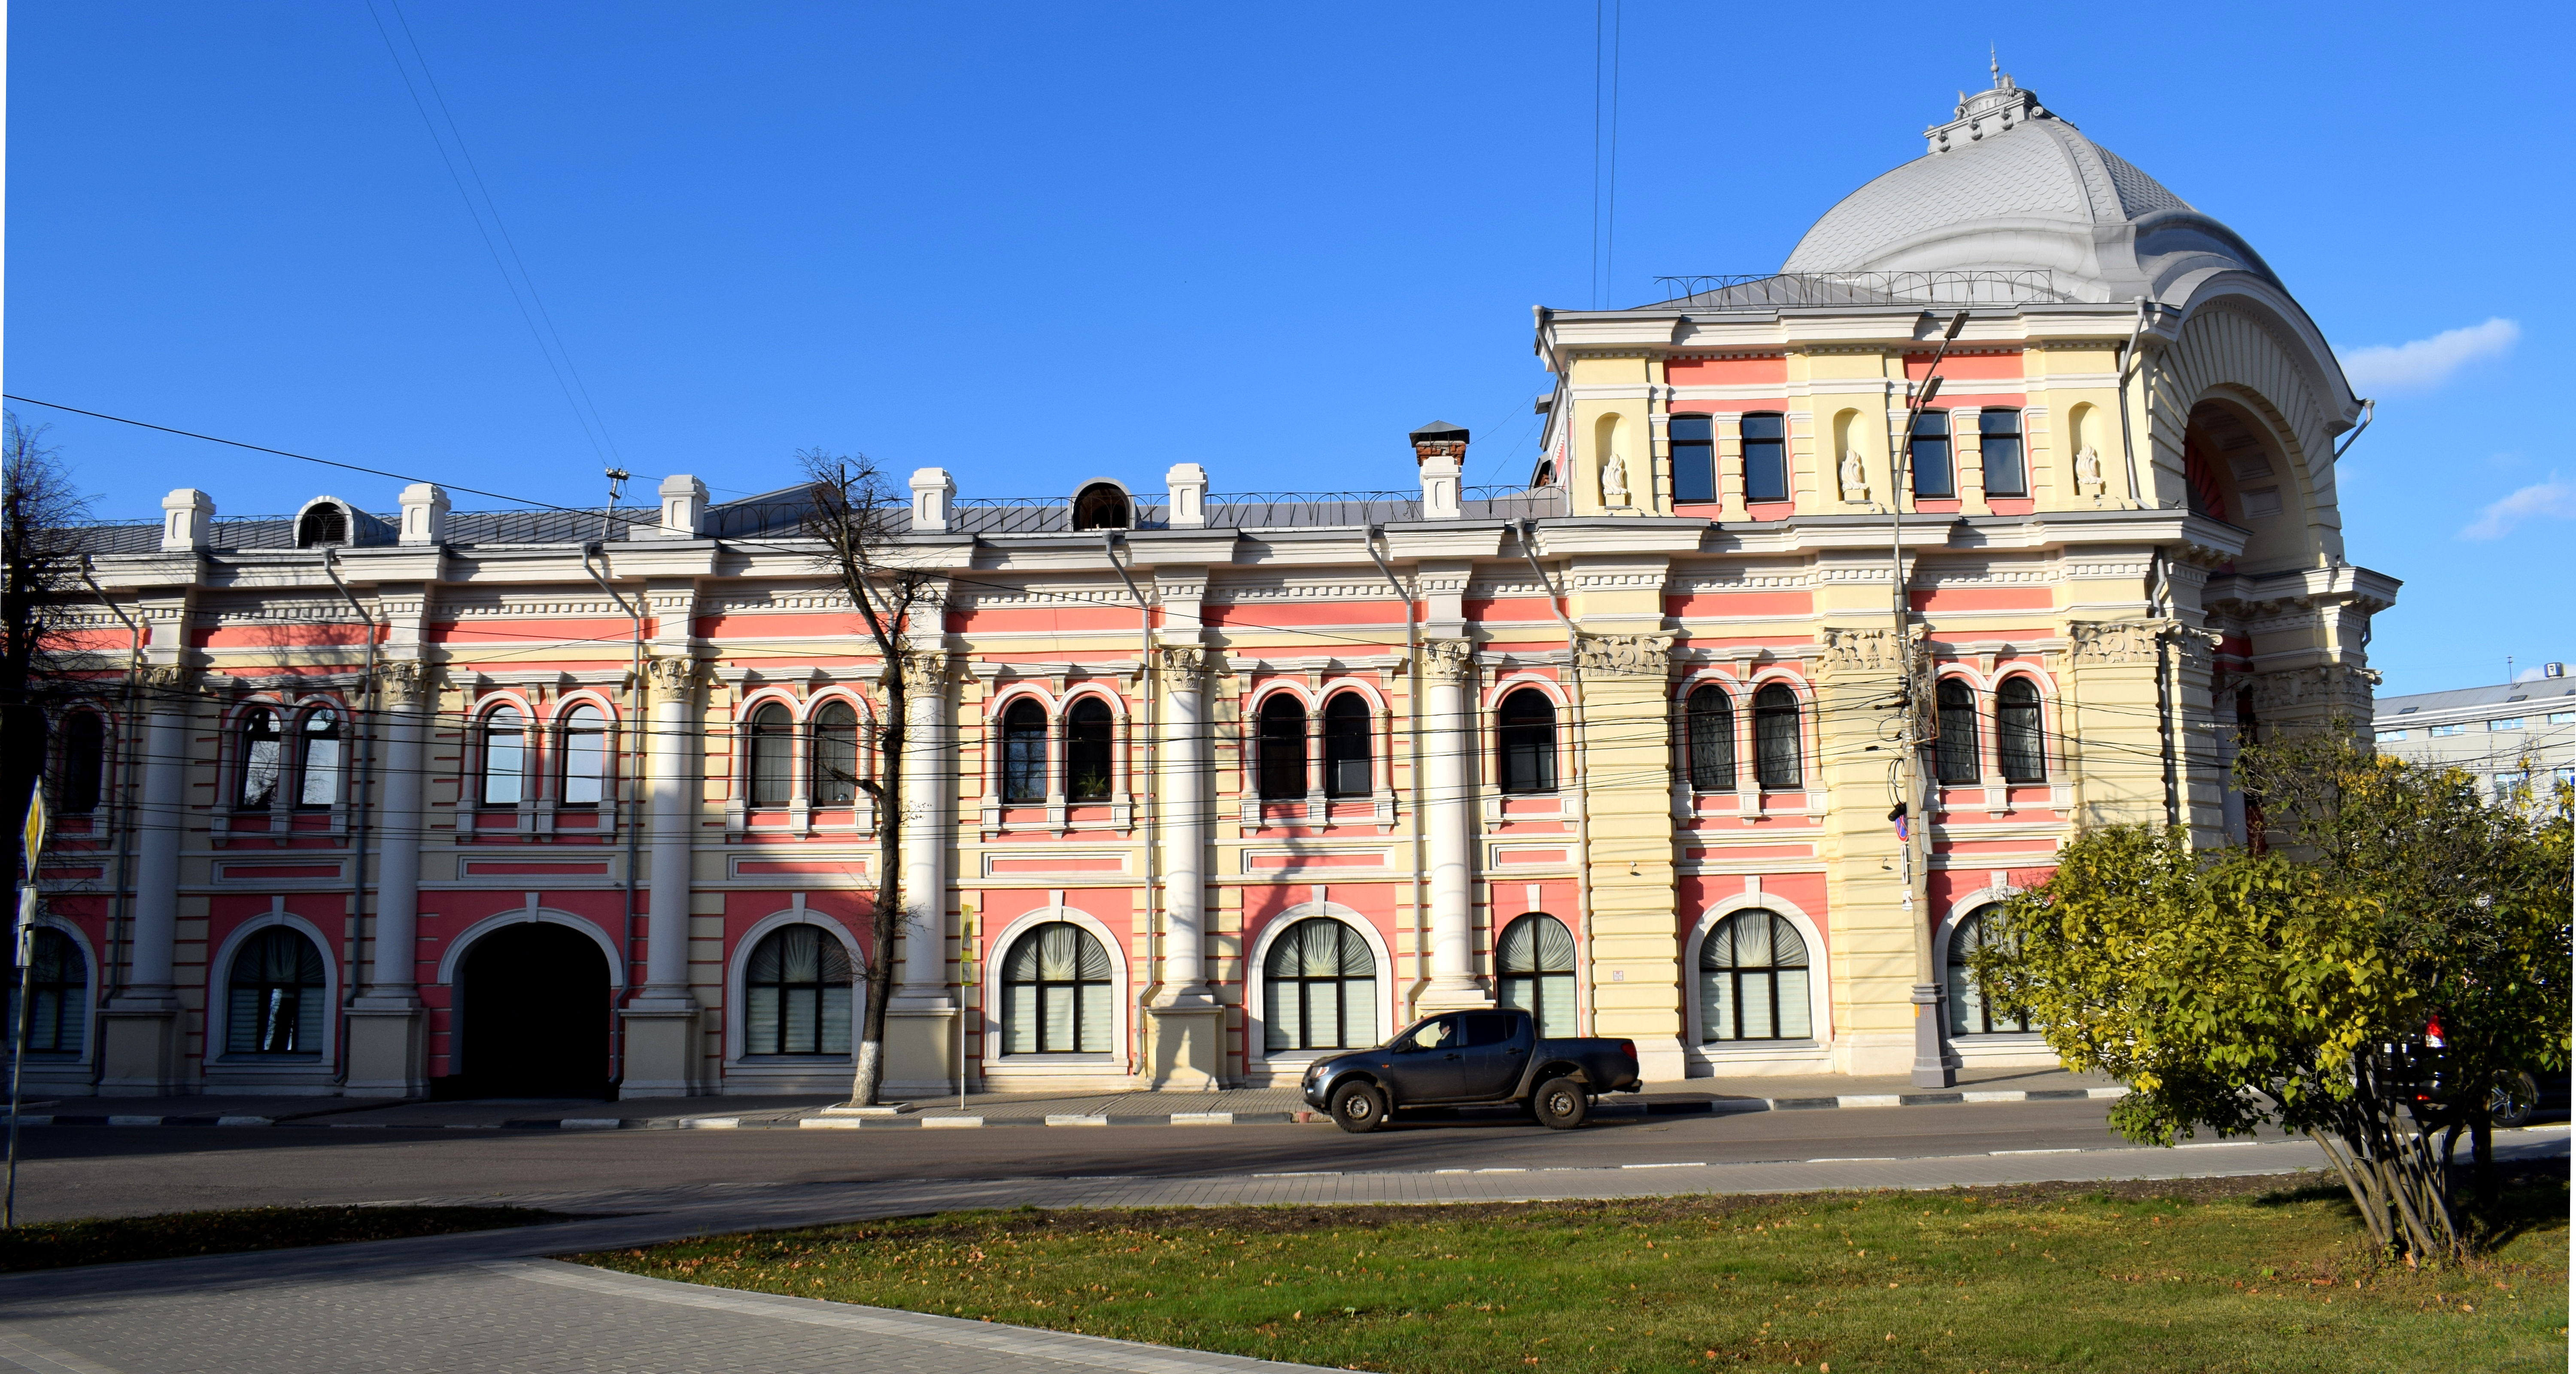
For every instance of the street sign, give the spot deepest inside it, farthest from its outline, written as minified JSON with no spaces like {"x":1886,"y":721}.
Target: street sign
{"x":38,"y":823}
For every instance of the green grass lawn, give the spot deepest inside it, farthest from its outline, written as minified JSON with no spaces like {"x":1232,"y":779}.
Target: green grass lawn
{"x":2231,"y":1274}
{"x":109,"y":1240}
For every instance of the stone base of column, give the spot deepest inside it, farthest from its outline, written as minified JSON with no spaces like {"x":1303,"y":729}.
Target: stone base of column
{"x":1463,"y":994}
{"x":662,"y":1050}
{"x":1931,"y":1063}
{"x":138,"y":1052}
{"x":388,"y":1052}
{"x":920,"y":1046}
{"x":1185,"y":1045}
{"x":1874,"y":1055}
{"x":1659,"y":1058}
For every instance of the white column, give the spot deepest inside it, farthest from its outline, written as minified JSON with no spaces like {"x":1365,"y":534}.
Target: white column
{"x":158,"y":827}
{"x":926,"y":761}
{"x":675,"y":815}
{"x":1183,"y":783}
{"x":1448,"y":808}
{"x":392,"y":972}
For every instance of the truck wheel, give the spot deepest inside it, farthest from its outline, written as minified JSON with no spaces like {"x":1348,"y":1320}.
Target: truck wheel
{"x":1358,"y":1108}
{"x":2512,"y":1106}
{"x":1561,"y":1104}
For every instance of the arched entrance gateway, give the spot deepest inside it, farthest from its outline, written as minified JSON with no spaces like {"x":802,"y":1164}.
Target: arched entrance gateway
{"x":532,"y":1015}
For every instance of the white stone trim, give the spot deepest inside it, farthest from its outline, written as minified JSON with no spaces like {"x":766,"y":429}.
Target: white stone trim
{"x":1812,"y":1055}
{"x":1069,"y":1070}
{"x":1261,"y":1066}
{"x":449,"y":962}
{"x":778,"y":1074}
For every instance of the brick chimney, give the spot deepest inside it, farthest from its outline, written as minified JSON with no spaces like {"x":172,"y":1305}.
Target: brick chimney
{"x":1440,"y":450}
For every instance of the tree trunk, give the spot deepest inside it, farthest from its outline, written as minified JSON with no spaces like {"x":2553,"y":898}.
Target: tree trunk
{"x":887,"y":919}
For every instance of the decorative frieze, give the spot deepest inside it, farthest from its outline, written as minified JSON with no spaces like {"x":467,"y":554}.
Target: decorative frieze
{"x":1631,"y":654}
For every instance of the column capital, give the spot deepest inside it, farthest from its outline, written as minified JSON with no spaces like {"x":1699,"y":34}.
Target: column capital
{"x":171,"y":677}
{"x":1191,"y":661}
{"x":671,"y":677}
{"x":926,"y":672}
{"x":1449,"y":660}
{"x":408,"y":682}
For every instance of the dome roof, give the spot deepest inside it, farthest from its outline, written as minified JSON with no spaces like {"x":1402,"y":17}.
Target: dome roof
{"x":2006,"y":185}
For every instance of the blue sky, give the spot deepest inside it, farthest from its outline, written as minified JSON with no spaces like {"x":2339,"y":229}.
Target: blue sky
{"x":1032,"y":244}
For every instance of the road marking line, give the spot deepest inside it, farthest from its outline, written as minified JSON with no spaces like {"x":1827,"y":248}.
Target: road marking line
{"x":1994,"y":1097}
{"x":2228,"y":1144}
{"x":1853,"y":1159}
{"x":1679,"y":1164}
{"x":2070,"y":1150}
{"x":1060,"y":1119}
{"x":1303,"y":1173}
{"x":1496,"y":1171}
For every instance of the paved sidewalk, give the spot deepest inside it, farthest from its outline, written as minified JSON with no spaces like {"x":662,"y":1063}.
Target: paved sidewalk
{"x":488,"y":1301}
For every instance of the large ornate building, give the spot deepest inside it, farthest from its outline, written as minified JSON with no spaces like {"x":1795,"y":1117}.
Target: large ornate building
{"x":1212,"y":783}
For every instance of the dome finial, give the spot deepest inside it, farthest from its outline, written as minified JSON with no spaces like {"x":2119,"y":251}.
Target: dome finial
{"x":1994,"y":67}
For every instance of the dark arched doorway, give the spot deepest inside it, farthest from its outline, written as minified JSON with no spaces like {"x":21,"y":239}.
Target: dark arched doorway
{"x":533,"y":1012}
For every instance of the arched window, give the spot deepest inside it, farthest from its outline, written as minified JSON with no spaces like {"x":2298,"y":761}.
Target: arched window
{"x":836,"y":755}
{"x":2017,"y":749}
{"x":1970,"y":1014}
{"x":1777,"y":760}
{"x":1710,"y":737}
{"x":1100,"y":506}
{"x":56,"y":1014}
{"x":585,"y":756}
{"x":796,"y":993}
{"x":1766,"y":459}
{"x":1347,"y":770}
{"x":1090,"y":744}
{"x":1930,"y":455}
{"x":773,"y":749}
{"x":1526,"y":740}
{"x":324,"y":524}
{"x":277,"y":1002}
{"x":82,"y":782}
{"x":1753,"y":980}
{"x":1954,"y":755}
{"x":505,"y":757}
{"x":1535,"y":961}
{"x":1056,"y":993}
{"x":1694,"y":459}
{"x":1024,"y":752}
{"x":317,"y":763}
{"x":1283,"y":747}
{"x":263,"y":760}
{"x":1321,"y":988}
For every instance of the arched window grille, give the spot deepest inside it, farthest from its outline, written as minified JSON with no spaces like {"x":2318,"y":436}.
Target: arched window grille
{"x":773,"y":750}
{"x":1526,"y":740}
{"x":56,"y":1009}
{"x":1970,"y":1013}
{"x":1709,"y":716}
{"x":1101,"y":506}
{"x":1090,"y":747}
{"x":1024,"y":752}
{"x":1954,"y":754}
{"x":1778,"y":760}
{"x":317,"y":764}
{"x":585,"y":757}
{"x":263,"y":760}
{"x":84,"y":768}
{"x":1321,"y":984}
{"x":1348,"y":760}
{"x":505,"y":757}
{"x":1283,"y":747}
{"x":2017,"y":745}
{"x":276,"y":1004}
{"x":1535,"y":964}
{"x":1056,"y":996}
{"x":324,"y":524}
{"x":796,"y":993}
{"x":836,"y":755}
{"x":1753,"y":980}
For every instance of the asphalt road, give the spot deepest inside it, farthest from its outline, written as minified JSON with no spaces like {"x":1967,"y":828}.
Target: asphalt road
{"x":95,"y":1171}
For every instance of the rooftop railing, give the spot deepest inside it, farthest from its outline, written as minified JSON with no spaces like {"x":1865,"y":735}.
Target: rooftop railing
{"x":1778,"y":290}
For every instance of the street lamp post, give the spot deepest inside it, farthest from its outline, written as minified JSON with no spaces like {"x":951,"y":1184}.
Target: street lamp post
{"x":1931,"y":1065}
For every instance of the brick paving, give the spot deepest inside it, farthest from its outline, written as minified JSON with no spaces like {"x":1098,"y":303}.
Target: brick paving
{"x":489,"y":1301}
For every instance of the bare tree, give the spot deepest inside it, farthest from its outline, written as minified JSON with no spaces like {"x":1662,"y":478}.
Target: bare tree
{"x":41,"y":515}
{"x":860,"y":521}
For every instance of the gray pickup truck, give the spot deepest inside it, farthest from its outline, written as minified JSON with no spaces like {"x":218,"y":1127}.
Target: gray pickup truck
{"x":1471,"y":1058}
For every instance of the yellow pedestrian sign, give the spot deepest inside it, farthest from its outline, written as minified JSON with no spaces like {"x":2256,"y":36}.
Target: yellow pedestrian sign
{"x":37,"y":825}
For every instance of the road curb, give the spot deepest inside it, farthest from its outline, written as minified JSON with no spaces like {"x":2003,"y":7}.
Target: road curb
{"x":1723,"y":1106}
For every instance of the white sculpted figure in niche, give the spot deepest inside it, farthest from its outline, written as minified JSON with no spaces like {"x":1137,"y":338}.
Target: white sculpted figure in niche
{"x":1855,"y":479}
{"x":2088,"y":471}
{"x":1614,"y":481}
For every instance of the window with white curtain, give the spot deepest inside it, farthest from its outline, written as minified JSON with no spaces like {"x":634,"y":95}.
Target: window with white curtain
{"x":1057,"y":996}
{"x":1320,"y":981}
{"x":276,"y":1004}
{"x":1970,"y":1013}
{"x":1535,"y":964}
{"x":797,"y":993}
{"x":1753,"y":980}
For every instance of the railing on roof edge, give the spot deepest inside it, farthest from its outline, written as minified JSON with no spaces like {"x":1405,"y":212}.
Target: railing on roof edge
{"x":1758,"y":290}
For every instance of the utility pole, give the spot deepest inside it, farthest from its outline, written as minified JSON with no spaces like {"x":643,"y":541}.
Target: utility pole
{"x":1931,"y":1066}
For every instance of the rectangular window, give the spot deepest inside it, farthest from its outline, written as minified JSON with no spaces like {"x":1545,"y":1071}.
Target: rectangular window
{"x":1999,"y":435}
{"x":2505,"y":723}
{"x":1930,"y":455}
{"x":1766,"y":459}
{"x":2562,"y":717}
{"x":1694,"y":459}
{"x":2440,"y":730}
{"x":2390,"y":737}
